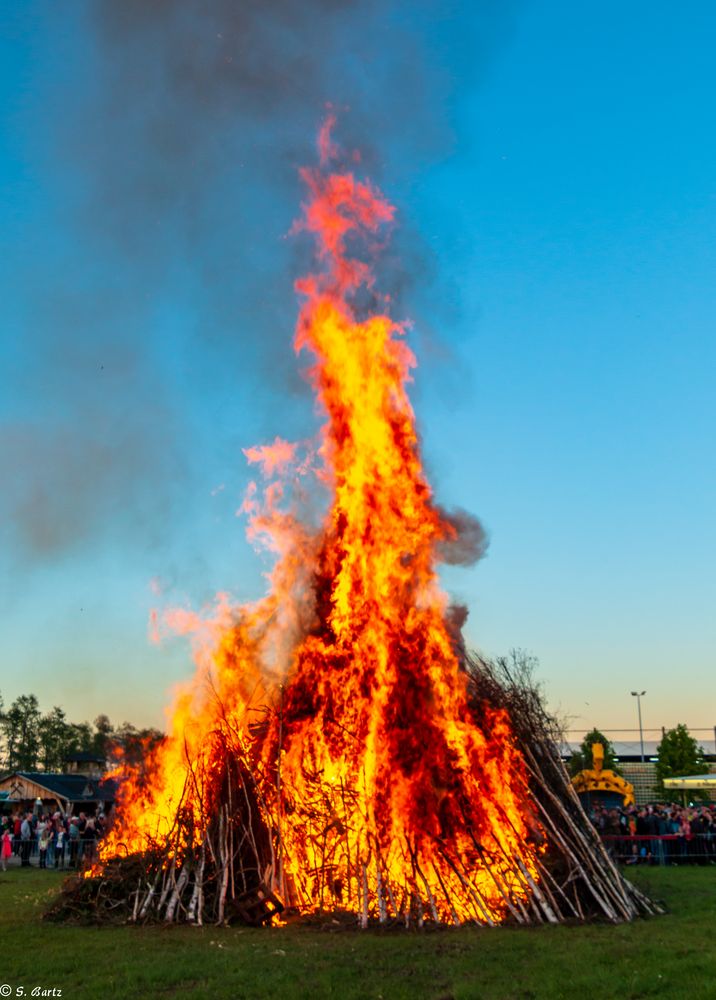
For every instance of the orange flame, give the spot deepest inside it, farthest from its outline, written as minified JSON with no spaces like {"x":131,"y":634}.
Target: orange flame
{"x":377,"y":781}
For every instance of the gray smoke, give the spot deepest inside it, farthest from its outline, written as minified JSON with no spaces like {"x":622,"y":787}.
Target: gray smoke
{"x":180,"y":136}
{"x":456,"y":617}
{"x":470,"y":541}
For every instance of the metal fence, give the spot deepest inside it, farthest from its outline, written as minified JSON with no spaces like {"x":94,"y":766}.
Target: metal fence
{"x":667,"y":849}
{"x":72,"y":853}
{"x":629,"y":742}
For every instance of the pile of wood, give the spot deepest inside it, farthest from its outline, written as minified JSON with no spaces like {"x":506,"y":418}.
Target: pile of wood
{"x":232,"y":872}
{"x":222,"y":874}
{"x":579,"y":881}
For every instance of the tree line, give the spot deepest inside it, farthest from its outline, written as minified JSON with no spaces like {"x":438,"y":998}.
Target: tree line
{"x":678,"y":754}
{"x":33,"y":741}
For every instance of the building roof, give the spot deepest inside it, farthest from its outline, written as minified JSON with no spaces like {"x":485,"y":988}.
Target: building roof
{"x":629,"y":749}
{"x":73,"y":787}
{"x":692,"y":781}
{"x":85,"y":757}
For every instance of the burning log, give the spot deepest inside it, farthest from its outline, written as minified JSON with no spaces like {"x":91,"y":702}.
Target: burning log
{"x":337,"y":752}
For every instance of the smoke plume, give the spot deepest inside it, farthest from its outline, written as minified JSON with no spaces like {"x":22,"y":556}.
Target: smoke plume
{"x":469,"y":541}
{"x":175,"y":132}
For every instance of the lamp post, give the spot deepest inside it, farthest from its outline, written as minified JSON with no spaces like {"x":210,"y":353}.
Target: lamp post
{"x":638,"y":695}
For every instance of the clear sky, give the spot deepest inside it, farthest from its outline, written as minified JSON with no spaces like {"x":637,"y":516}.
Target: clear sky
{"x":554,"y":171}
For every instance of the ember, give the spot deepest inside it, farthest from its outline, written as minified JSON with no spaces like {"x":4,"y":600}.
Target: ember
{"x":334,"y":752}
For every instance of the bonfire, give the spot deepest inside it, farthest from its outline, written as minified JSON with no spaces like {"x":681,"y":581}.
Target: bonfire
{"x":337,"y":752}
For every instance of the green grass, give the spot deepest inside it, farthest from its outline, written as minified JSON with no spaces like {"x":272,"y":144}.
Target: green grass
{"x":669,"y":957}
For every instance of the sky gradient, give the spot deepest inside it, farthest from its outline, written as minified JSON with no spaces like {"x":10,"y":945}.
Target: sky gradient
{"x":553,"y":170}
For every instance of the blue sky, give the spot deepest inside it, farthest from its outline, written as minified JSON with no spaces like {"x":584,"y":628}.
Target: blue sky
{"x":553,"y":172}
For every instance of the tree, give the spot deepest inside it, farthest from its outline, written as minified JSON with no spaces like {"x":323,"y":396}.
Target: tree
{"x":582,"y":760}
{"x":55,"y":733}
{"x":678,"y":755}
{"x":80,"y":737}
{"x":132,"y":747}
{"x":103,"y":736}
{"x":30,"y":741}
{"x":21,"y":733}
{"x":3,"y":736}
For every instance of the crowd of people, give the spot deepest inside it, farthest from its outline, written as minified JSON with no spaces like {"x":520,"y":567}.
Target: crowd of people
{"x":50,"y":840}
{"x":664,"y":833}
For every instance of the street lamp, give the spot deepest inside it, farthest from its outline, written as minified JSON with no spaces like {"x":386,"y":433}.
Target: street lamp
{"x":638,"y":695}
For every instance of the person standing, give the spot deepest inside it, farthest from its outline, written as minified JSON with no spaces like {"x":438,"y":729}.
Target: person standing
{"x":5,"y":848}
{"x":25,"y":840}
{"x":89,"y":841}
{"x":17,"y":838}
{"x":42,"y":843}
{"x":52,"y":836}
{"x":74,"y":838}
{"x":60,"y":836}
{"x":82,"y":825}
{"x":39,"y":823}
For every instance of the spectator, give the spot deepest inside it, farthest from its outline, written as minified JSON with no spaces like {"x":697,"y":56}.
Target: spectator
{"x":52,"y":831}
{"x":74,"y":839}
{"x":5,"y":848}
{"x":89,"y":839}
{"x":60,"y":845}
{"x":42,"y":844}
{"x":26,"y":840}
{"x":659,"y":833}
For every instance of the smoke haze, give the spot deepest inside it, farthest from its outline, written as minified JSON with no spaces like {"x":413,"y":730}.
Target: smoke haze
{"x":176,"y":128}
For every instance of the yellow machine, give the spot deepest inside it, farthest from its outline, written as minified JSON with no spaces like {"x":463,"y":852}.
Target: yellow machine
{"x":603,"y":785}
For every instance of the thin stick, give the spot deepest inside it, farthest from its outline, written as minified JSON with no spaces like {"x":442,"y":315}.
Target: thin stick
{"x":181,"y":882}
{"x":382,"y":916}
{"x":364,"y":914}
{"x":448,"y":898}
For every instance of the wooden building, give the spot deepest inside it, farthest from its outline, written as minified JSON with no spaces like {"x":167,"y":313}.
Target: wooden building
{"x":49,"y":792}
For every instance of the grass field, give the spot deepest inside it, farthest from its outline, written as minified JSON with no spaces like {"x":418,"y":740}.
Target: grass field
{"x":670,"y":957}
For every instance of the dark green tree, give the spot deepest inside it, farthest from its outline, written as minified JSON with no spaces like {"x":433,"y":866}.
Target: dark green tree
{"x":133,"y":746}
{"x":3,"y":752}
{"x":678,"y":755}
{"x":55,"y":738}
{"x":582,"y":759}
{"x":103,"y":737}
{"x":21,"y":734}
{"x":79,"y":738}
{"x":30,"y":741}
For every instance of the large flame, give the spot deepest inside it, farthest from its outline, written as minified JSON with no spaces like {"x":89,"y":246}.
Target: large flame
{"x":377,"y":782}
